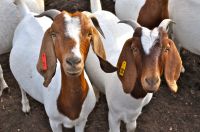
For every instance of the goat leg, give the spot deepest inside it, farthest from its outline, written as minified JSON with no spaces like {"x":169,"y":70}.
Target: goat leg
{"x":3,"y":84}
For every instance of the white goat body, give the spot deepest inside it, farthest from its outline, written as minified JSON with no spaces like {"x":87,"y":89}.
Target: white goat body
{"x":186,"y":31}
{"x":122,"y":106}
{"x":23,"y":59}
{"x":128,"y":9}
{"x":10,"y":17}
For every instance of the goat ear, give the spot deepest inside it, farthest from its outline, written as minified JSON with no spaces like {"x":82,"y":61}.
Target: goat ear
{"x":126,"y":68}
{"x":46,"y":65}
{"x":98,"y":49}
{"x":173,"y":65}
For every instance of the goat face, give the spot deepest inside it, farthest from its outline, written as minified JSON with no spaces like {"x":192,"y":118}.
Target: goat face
{"x":143,"y":59}
{"x":68,"y":40}
{"x":150,"y":52}
{"x":151,"y":62}
{"x":146,"y":51}
{"x":72,"y":41}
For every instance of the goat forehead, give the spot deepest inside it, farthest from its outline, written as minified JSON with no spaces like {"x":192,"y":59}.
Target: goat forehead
{"x":72,"y":27}
{"x":72,"y":30}
{"x":148,"y":38}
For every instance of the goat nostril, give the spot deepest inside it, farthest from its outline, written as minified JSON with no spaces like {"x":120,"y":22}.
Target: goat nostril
{"x":73,"y":61}
{"x":148,"y":81}
{"x":77,"y":60}
{"x":69,"y":62}
{"x":156,"y":80}
{"x":152,"y":81}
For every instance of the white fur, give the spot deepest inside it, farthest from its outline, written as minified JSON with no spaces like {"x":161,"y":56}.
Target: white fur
{"x":186,"y":30}
{"x":3,"y":83}
{"x":73,"y":30}
{"x":23,"y":58}
{"x":148,"y":38}
{"x":10,"y":16}
{"x":128,"y":9}
{"x":96,"y":4}
{"x":121,"y":105}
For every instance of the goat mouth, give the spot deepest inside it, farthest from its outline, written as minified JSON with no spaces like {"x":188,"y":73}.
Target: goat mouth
{"x":74,"y":73}
{"x":151,"y":90}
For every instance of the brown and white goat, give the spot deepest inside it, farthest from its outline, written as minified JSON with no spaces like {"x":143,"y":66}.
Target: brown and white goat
{"x":69,"y":98}
{"x":148,"y":13}
{"x":140,"y":63}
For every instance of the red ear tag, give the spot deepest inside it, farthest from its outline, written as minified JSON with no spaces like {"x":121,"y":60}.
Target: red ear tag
{"x":44,"y":61}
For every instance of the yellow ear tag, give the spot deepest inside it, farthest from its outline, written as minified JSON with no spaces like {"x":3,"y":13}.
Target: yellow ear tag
{"x":122,"y":69}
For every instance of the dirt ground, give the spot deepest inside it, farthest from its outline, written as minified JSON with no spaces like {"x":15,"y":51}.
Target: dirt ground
{"x":166,"y":112}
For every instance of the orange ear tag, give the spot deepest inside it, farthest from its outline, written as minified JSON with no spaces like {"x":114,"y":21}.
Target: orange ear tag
{"x":44,"y":61}
{"x":122,"y":69}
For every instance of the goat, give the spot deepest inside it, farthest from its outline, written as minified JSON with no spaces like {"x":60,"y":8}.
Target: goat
{"x":140,"y":58}
{"x":186,"y":31}
{"x":3,"y":83}
{"x":148,"y":13}
{"x":10,"y":17}
{"x":70,"y":97}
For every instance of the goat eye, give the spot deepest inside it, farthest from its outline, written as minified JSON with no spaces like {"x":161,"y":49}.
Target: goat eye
{"x":53,"y":34}
{"x":157,"y":40}
{"x":166,"y":49}
{"x":89,"y":34}
{"x":134,"y":49}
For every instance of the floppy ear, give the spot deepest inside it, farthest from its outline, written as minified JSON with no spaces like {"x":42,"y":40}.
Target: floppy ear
{"x":98,"y":48}
{"x":126,"y":67}
{"x":46,"y":65}
{"x":97,"y":44}
{"x":172,"y":64}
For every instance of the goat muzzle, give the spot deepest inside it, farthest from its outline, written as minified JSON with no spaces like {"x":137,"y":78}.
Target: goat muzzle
{"x":151,"y":84}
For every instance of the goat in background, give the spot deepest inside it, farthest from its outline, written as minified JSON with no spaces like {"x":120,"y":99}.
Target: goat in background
{"x":186,"y":32}
{"x":10,"y":18}
{"x":148,"y":13}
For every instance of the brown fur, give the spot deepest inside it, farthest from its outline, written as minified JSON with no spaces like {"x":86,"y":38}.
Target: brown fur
{"x":47,"y":48}
{"x":153,"y":12}
{"x":132,"y":53}
{"x":74,"y":88}
{"x":172,"y":61}
{"x":130,"y":74}
{"x":141,"y":66}
{"x":73,"y":93}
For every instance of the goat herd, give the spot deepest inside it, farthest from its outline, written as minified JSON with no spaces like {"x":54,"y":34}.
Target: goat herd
{"x":63,"y":60}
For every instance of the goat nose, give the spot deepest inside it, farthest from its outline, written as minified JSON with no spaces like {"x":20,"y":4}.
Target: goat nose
{"x":73,"y":61}
{"x":152,"y":81}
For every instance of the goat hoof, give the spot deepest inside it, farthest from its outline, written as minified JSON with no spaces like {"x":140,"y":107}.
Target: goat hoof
{"x":26,"y":107}
{"x":1,"y":92}
{"x":182,"y":69}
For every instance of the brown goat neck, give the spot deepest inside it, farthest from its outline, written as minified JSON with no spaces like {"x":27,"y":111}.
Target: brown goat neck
{"x":72,"y":95}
